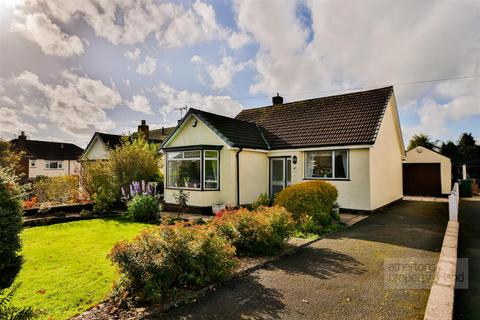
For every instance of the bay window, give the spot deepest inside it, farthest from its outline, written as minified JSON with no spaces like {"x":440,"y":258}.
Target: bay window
{"x":193,"y":169}
{"x":328,"y":164}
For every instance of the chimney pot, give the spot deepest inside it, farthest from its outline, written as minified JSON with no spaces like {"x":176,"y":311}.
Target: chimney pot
{"x":277,"y":100}
{"x":143,"y":128}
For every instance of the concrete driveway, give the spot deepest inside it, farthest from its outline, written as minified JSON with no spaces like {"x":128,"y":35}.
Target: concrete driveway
{"x":339,"y":277}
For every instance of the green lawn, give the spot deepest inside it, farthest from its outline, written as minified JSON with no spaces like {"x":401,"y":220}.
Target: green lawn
{"x":66,"y":269}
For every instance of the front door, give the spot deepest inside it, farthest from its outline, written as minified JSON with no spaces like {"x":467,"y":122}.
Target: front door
{"x":280,"y":174}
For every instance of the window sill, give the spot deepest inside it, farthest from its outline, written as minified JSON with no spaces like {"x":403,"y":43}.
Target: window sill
{"x":328,"y":179}
{"x":191,"y":189}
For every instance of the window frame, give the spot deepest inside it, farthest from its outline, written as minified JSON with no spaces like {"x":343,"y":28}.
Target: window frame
{"x":333,"y":156}
{"x":59,"y":164}
{"x":204,"y":181}
{"x":33,"y":163}
{"x":203,"y":150}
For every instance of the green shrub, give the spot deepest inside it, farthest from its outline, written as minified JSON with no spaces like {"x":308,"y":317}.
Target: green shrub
{"x":135,"y":160}
{"x":99,"y":183}
{"x":313,"y":198}
{"x":143,"y":208}
{"x":56,"y":190}
{"x":167,"y":260}
{"x":10,"y":227}
{"x":261,"y":232}
{"x":263,"y":200}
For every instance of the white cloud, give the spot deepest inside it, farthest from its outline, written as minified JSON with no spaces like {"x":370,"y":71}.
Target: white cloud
{"x":51,"y":39}
{"x":7,"y":101}
{"x":133,"y":54}
{"x":77,"y":105}
{"x":173,"y":25}
{"x":11,"y":124}
{"x":238,"y":39}
{"x":222,"y":75}
{"x":196,"y":59}
{"x":147,"y":67}
{"x":141,"y":104}
{"x":173,"y":99}
{"x":42,"y":126}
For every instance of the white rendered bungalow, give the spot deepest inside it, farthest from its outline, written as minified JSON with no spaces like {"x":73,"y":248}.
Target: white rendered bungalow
{"x":352,"y":140}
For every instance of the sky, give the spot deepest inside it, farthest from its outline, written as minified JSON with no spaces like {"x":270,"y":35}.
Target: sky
{"x":70,"y":68}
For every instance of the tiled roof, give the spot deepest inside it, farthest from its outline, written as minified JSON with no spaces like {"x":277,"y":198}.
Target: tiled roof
{"x":50,"y":150}
{"x":236,"y":133}
{"x":111,"y":140}
{"x":160,"y":134}
{"x":352,"y":118}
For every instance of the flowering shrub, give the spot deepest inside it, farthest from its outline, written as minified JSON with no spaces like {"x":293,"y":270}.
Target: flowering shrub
{"x":313,"y":198}
{"x":140,"y":188}
{"x":29,"y":203}
{"x":164,"y":261}
{"x":261,"y":232}
{"x":220,"y":213}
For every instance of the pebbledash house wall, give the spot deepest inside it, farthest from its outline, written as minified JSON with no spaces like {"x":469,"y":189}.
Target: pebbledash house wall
{"x":375,"y":171}
{"x":70,"y":167}
{"x":188,"y":135}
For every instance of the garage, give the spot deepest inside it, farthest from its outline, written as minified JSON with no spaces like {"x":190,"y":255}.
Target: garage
{"x":422,"y":179}
{"x":426,"y":173}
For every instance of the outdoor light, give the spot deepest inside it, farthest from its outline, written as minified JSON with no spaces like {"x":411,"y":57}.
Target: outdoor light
{"x":194,"y":122}
{"x":294,"y":159}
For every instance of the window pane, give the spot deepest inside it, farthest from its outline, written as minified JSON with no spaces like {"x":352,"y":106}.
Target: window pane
{"x":277,"y":170}
{"x":319,"y":164}
{"x":341,"y":164}
{"x":60,"y":164}
{"x":53,"y":165}
{"x":289,"y":171}
{"x":211,"y":154}
{"x":211,"y":174}
{"x":184,"y":174}
{"x":191,"y":154}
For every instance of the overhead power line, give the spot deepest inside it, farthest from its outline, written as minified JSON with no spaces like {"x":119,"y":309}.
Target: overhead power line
{"x":408,"y":83}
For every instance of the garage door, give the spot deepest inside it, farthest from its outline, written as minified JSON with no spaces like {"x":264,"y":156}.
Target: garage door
{"x":422,"y":179}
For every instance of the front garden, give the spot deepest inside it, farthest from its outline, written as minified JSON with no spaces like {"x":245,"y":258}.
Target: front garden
{"x":65,"y":268}
{"x":72,"y":266}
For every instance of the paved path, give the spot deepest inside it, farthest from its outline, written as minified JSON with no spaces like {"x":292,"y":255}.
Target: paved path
{"x":339,"y":277}
{"x":467,"y":302}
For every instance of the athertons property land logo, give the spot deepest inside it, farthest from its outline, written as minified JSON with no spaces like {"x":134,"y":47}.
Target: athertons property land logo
{"x":420,"y":273}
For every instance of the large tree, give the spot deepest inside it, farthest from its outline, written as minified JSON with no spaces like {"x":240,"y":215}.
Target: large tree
{"x":421,"y":139}
{"x":9,"y":157}
{"x":467,"y":147}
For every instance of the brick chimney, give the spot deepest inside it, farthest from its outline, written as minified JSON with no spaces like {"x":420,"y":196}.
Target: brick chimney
{"x":22,"y":141}
{"x":143,"y":128}
{"x":277,"y":100}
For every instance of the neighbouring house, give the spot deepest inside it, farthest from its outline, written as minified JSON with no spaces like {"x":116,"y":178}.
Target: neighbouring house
{"x":426,"y":173}
{"x":353,"y":141}
{"x":46,"y":158}
{"x":471,"y":170}
{"x":101,"y":143}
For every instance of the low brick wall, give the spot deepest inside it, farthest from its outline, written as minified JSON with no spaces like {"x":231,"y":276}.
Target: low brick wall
{"x":440,"y":301}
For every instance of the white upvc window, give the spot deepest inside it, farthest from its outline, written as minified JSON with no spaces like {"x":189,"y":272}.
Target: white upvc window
{"x":327,"y":164}
{"x":193,"y":169}
{"x":54,"y":164}
{"x":33,"y":163}
{"x":210,"y":169}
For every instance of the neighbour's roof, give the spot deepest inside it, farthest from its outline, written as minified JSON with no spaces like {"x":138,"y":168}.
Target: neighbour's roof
{"x":352,"y":118}
{"x":111,"y":140}
{"x":50,"y":150}
{"x":160,"y":134}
